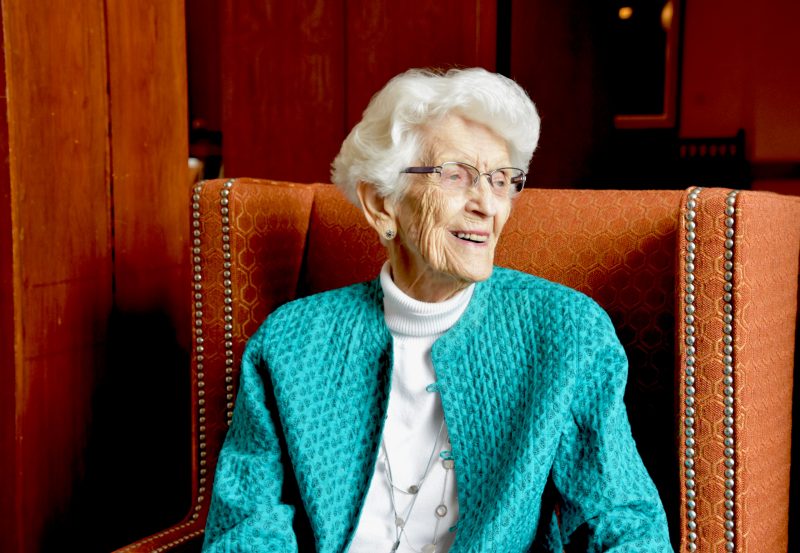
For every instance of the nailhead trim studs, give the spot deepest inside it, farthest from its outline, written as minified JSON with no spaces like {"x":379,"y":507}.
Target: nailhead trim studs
{"x":689,"y":368}
{"x":227,"y":291}
{"x":727,"y":360}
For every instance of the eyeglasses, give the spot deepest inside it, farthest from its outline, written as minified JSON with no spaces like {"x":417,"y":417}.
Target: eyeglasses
{"x":505,"y":182}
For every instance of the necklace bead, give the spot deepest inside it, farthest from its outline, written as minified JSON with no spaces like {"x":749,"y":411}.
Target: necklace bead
{"x":413,"y":489}
{"x":430,"y":548}
{"x":441,"y":511}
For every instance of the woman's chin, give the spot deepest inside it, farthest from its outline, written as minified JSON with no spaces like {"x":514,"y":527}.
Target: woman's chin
{"x":472,"y":273}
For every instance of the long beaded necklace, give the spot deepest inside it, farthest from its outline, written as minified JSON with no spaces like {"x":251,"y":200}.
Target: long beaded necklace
{"x":441,"y":509}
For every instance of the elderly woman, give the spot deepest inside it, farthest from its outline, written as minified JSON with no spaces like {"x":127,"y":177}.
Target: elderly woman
{"x":428,"y":409}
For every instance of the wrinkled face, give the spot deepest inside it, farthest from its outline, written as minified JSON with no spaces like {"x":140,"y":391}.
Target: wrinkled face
{"x":446,"y":238}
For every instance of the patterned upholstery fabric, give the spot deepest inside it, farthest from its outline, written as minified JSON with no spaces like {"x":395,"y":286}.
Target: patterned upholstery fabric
{"x":767,"y":248}
{"x":626,"y":249}
{"x":341,"y":249}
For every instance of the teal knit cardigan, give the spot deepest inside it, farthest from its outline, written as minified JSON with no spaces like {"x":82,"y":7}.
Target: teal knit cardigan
{"x":531,"y":380}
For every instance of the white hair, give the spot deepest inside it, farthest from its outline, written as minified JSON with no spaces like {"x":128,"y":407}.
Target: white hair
{"x":389,"y":136}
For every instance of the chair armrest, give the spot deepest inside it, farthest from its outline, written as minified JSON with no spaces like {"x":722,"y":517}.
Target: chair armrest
{"x":737,"y":307}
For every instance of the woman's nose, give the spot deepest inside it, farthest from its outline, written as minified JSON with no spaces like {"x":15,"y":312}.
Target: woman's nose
{"x":482,"y":200}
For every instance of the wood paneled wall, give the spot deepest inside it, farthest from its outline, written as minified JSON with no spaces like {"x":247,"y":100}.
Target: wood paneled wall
{"x":93,"y":219}
{"x":147,"y":85}
{"x":8,"y":461}
{"x":283,"y":87}
{"x":557,"y":55}
{"x":740,"y":72}
{"x":385,"y":38}
{"x":61,"y":260}
{"x":297,"y":75}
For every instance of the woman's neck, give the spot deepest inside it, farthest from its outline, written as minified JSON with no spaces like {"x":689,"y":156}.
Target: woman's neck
{"x":409,"y":316}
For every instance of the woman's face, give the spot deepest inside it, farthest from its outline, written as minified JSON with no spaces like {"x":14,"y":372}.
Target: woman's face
{"x":446,"y":238}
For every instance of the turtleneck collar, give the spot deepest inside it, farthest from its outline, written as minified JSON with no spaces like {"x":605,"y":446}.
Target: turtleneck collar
{"x":409,"y":317}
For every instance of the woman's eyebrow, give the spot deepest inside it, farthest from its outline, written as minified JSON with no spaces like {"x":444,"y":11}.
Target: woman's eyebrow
{"x":475,"y":162}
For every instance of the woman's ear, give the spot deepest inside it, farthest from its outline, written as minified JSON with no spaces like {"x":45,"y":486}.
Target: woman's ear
{"x":378,"y":210}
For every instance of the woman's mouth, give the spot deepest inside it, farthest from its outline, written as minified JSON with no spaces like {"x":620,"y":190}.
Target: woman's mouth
{"x":474,"y":237}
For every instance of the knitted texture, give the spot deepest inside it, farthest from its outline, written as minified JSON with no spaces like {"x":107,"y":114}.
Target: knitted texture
{"x":531,"y":379}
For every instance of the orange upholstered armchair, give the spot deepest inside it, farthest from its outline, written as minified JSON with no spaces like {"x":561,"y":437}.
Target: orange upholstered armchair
{"x":701,"y":286}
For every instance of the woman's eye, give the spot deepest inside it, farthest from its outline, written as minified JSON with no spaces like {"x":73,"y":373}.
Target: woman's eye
{"x":453,"y":177}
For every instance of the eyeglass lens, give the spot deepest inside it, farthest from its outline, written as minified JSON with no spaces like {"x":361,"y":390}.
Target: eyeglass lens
{"x":505,"y":181}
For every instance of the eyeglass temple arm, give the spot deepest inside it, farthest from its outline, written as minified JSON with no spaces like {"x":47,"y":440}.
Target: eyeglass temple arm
{"x":422,"y":170}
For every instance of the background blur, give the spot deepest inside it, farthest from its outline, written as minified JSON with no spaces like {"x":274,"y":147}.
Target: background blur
{"x":106,"y":100}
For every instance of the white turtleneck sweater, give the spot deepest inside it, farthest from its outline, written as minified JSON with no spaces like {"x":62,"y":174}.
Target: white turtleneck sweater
{"x":413,"y":422}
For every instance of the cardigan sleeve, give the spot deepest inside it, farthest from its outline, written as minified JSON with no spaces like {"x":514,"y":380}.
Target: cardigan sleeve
{"x":598,"y":471}
{"x":246,"y":513}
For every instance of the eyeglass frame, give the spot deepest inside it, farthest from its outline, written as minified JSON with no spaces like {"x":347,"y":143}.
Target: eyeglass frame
{"x":430,"y":169}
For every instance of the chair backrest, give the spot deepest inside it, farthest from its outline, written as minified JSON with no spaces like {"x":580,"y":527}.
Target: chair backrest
{"x":655,"y":260}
